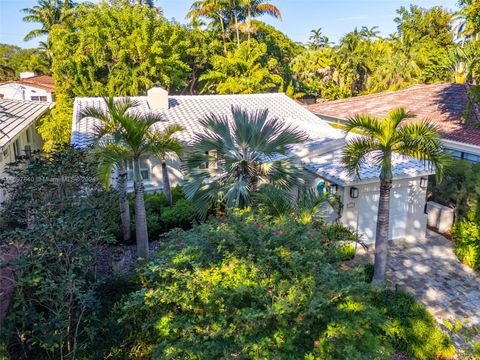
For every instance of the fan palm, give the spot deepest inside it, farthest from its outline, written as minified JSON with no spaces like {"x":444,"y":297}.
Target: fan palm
{"x":229,"y":161}
{"x":381,"y":139}
{"x":48,"y":13}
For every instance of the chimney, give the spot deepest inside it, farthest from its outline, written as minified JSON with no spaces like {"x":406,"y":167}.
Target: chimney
{"x":157,"y":98}
{"x":26,"y":74}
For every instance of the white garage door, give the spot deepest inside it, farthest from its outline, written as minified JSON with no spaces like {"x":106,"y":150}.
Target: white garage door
{"x":367,"y":214}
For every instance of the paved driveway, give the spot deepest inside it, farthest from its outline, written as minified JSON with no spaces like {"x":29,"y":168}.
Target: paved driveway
{"x":429,"y":270}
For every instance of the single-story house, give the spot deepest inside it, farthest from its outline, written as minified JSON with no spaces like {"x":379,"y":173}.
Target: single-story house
{"x":29,"y":87}
{"x":321,"y":155}
{"x":18,"y":132}
{"x":443,"y":103}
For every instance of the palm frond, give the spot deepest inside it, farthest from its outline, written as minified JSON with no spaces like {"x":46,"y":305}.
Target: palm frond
{"x":356,"y":152}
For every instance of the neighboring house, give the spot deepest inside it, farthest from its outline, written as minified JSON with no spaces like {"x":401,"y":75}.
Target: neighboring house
{"x":442,"y":103}
{"x":29,"y":87}
{"x":18,"y":133}
{"x":321,"y":155}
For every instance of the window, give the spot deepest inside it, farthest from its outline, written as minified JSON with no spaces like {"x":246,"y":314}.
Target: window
{"x":144,"y":169}
{"x":38,"y":98}
{"x":29,"y":137}
{"x":471,"y":157}
{"x":28,"y":151}
{"x":16,"y":148}
{"x":463,"y":155}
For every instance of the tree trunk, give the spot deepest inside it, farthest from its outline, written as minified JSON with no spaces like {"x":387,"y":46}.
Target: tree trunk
{"x":381,"y":239}
{"x":124,"y":206}
{"x":141,"y":230}
{"x":237,"y":30}
{"x":166,"y":183}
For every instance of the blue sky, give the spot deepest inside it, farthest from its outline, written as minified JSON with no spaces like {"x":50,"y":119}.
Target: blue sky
{"x":335,"y":17}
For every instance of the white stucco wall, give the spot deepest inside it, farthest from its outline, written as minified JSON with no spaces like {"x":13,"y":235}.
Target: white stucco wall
{"x":16,"y":91}
{"x":414,"y":224}
{"x":7,"y":155}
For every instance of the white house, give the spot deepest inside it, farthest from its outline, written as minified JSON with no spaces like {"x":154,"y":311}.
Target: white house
{"x":29,"y":87}
{"x":320,"y":155}
{"x":18,"y":133}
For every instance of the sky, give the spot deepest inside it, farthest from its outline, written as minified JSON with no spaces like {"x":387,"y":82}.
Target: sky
{"x":335,"y":17}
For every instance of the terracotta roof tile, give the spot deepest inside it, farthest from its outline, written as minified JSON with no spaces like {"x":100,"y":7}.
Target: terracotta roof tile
{"x":40,"y":81}
{"x":442,"y":103}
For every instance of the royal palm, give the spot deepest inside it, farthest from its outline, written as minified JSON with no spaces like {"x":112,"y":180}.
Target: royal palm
{"x":229,"y":161}
{"x":380,"y":140}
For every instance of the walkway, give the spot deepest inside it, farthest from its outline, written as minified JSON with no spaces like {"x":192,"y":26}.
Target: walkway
{"x":430,"y":271}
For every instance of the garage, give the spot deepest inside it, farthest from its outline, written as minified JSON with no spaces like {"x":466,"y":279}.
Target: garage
{"x":367,"y":214}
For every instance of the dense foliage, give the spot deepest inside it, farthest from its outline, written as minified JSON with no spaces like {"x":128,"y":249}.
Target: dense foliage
{"x":461,"y":190}
{"x":56,"y":215}
{"x":248,"y":288}
{"x":14,"y":60}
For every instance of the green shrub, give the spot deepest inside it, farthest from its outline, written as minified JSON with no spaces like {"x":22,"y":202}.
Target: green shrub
{"x":250,"y":289}
{"x":180,"y":215}
{"x":346,"y":251}
{"x":466,"y":235}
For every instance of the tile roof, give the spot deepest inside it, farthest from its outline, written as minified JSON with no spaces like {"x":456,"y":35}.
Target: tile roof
{"x":16,"y":115}
{"x":188,"y":110}
{"x":330,"y":167}
{"x":44,"y":82}
{"x":442,"y":103}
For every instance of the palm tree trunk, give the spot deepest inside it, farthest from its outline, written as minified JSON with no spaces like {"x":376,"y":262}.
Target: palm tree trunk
{"x":141,"y":230}
{"x":237,"y":30}
{"x":123,"y":199}
{"x":381,"y":239}
{"x":166,"y":183}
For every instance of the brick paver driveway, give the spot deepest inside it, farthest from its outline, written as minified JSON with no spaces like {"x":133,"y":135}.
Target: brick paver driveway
{"x":429,"y":270}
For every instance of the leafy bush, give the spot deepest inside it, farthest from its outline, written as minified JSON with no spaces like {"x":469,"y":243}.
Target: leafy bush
{"x":250,"y":289}
{"x":56,"y":216}
{"x":466,"y":235}
{"x":162,"y":218}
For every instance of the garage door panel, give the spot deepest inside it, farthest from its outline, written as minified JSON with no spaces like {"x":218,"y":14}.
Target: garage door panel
{"x":368,"y":211}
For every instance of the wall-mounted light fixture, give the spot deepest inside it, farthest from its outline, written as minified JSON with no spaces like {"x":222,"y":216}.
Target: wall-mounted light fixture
{"x":332,"y":189}
{"x":354,"y":192}
{"x":423,"y":182}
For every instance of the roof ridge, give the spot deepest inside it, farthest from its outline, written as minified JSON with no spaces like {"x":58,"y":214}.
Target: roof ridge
{"x":189,"y":96}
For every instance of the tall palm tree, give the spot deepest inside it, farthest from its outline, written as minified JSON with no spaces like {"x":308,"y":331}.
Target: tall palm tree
{"x":136,"y":139}
{"x":48,"y":13}
{"x":370,"y":33}
{"x":256,"y":8}
{"x":315,"y":39}
{"x":110,"y":127}
{"x":165,"y":145}
{"x":231,"y":159}
{"x":380,"y":139}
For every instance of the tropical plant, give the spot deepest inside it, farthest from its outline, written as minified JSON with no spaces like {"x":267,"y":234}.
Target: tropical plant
{"x":233,"y":157}
{"x":48,"y":13}
{"x":166,"y":146}
{"x":135,"y":139}
{"x":381,"y":141}
{"x":255,"y":8}
{"x":110,"y":126}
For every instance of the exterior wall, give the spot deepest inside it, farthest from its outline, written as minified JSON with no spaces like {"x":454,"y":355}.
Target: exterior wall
{"x":16,"y":91}
{"x":416,"y":220}
{"x":7,"y":155}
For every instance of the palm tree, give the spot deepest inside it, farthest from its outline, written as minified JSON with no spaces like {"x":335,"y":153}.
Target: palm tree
{"x":256,"y":8}
{"x":134,"y":140}
{"x":48,"y":13}
{"x":230,"y":160}
{"x":370,"y":33}
{"x":380,"y":139}
{"x":315,"y":39}
{"x":165,"y":145}
{"x":110,"y":126}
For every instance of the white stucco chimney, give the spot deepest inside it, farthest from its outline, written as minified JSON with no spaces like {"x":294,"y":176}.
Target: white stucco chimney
{"x":26,"y":74}
{"x":157,"y":98}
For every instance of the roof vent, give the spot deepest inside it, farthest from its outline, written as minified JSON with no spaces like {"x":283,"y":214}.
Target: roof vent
{"x":26,"y":75}
{"x":157,"y":98}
